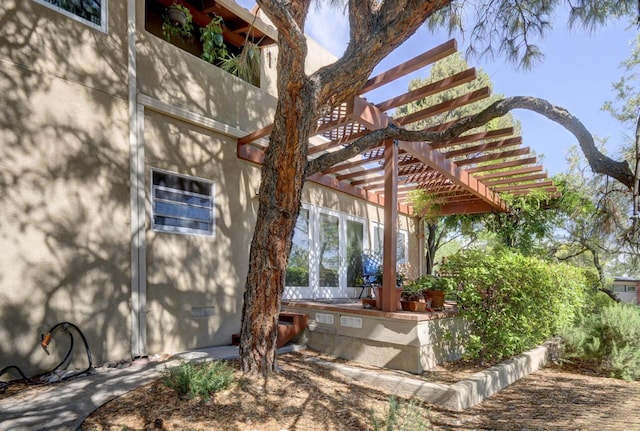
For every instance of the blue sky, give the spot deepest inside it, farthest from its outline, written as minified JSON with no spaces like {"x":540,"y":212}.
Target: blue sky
{"x":577,"y":73}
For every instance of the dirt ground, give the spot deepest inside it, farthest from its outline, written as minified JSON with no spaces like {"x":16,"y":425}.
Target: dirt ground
{"x":305,"y":396}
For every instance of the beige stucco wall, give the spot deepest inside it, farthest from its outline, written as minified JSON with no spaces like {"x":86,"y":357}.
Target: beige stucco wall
{"x":412,"y":342}
{"x":186,"y":271}
{"x":64,"y":169}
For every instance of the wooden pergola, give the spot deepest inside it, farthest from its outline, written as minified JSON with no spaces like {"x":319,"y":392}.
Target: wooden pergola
{"x":464,"y":175}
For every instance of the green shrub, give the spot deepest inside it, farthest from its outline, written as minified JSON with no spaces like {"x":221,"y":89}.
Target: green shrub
{"x":201,"y":380}
{"x":610,"y":339}
{"x":409,"y":416}
{"x":512,"y":302}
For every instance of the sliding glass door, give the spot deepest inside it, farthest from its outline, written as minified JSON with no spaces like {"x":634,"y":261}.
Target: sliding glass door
{"x":325,"y":255}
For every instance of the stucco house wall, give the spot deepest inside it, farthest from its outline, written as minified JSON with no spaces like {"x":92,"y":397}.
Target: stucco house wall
{"x":64,"y":189}
{"x":67,"y":142}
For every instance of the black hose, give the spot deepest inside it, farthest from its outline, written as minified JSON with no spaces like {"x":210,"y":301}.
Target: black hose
{"x":34,"y":379}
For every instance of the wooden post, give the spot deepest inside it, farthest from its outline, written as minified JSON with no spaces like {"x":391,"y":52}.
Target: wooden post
{"x":389,"y":299}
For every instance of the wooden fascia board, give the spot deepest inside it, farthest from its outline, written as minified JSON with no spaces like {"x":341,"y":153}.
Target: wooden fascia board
{"x":475,"y":137}
{"x":416,"y":63}
{"x":509,"y":173}
{"x":503,"y":165}
{"x":423,"y":152}
{"x":453,"y":81}
{"x":445,"y":106}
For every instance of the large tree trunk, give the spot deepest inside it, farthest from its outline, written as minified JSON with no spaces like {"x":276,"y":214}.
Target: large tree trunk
{"x":431,"y":246}
{"x":279,"y":204}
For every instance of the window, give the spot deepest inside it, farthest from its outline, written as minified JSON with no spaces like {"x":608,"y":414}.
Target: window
{"x":378,"y":242}
{"x":181,"y":204}
{"x":92,"y":12}
{"x":298,"y":265}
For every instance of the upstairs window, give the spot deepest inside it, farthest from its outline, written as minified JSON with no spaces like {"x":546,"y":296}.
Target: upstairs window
{"x":91,"y":12}
{"x":181,"y":204}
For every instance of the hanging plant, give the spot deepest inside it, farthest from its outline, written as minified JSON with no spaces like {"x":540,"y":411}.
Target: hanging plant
{"x":245,"y":65}
{"x":177,"y":22}
{"x":213,"y":46}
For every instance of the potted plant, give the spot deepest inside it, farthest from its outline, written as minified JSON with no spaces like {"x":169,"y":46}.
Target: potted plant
{"x":434,"y":289}
{"x":213,"y":46}
{"x":177,"y":21}
{"x":245,"y":65}
{"x":412,"y":299}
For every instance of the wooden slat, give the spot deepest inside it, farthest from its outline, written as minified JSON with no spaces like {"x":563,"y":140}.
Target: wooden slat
{"x":523,"y":186}
{"x":502,"y":143}
{"x":260,"y":133}
{"x":510,"y":172}
{"x":338,"y":142}
{"x":503,"y":165}
{"x":449,"y":105}
{"x":466,"y":139}
{"x":429,"y":90}
{"x":422,"y":60}
{"x":515,"y":180}
{"x":495,"y":156}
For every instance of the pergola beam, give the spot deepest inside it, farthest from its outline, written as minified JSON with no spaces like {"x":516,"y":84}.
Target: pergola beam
{"x":503,"y":165}
{"x":446,"y":106}
{"x":509,"y":173}
{"x":453,"y":81}
{"x":416,"y":63}
{"x":502,"y":143}
{"x":475,"y":137}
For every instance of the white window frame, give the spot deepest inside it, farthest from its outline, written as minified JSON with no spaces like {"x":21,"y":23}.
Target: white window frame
{"x":178,"y":229}
{"x":377,"y":225}
{"x":104,"y":15}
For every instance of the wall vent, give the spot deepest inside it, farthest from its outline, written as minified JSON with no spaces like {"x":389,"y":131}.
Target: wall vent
{"x":324,"y":318}
{"x":351,"y":322}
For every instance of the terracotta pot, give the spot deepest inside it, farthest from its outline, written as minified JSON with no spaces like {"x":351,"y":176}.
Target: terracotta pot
{"x":436,"y":296}
{"x":379,"y":295}
{"x":413,"y":305}
{"x":371,"y":302}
